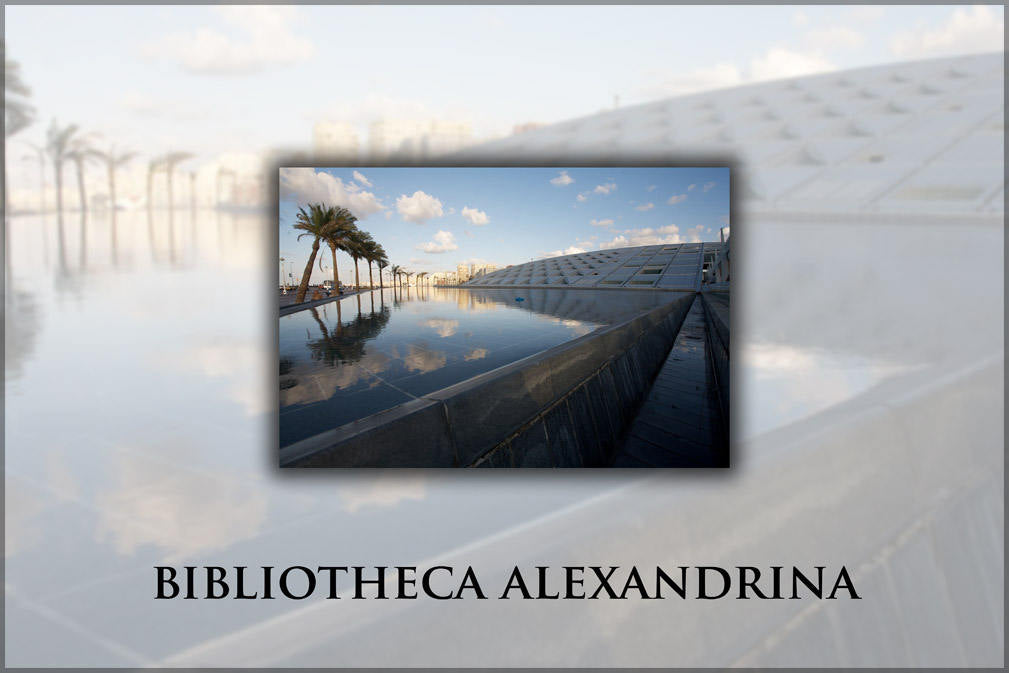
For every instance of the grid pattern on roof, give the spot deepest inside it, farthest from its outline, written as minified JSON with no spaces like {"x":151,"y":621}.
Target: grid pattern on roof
{"x":924,"y":136}
{"x":667,"y":267}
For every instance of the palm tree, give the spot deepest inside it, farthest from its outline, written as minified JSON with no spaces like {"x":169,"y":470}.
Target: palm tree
{"x":312,"y":222}
{"x":113,"y":159}
{"x":81,"y":153}
{"x":40,"y":156}
{"x":372,"y":253}
{"x":168,"y":163}
{"x":152,"y":167}
{"x":356,"y":249}
{"x":381,"y":261}
{"x":394,"y":270}
{"x":18,"y":113}
{"x":339,"y":235}
{"x":60,"y":143}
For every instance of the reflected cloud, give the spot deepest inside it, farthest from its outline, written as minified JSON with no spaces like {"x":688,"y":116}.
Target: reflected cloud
{"x":476,"y":354}
{"x":788,"y":383}
{"x":422,"y":360}
{"x":303,"y":384}
{"x":239,"y":364}
{"x":182,"y":513}
{"x":384,"y":491}
{"x":22,"y":508}
{"x":444,"y":328}
{"x":577,"y":327}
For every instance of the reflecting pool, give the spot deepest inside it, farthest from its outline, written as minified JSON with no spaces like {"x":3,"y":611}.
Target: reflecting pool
{"x":351,"y":358}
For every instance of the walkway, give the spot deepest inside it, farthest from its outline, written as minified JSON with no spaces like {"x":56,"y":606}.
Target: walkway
{"x":679,"y":423}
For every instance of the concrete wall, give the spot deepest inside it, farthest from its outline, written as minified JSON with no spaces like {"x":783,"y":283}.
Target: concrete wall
{"x":564,"y":407}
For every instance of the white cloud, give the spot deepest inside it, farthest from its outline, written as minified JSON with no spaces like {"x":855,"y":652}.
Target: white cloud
{"x":834,"y":37}
{"x":651,"y":188}
{"x":968,"y":29}
{"x":644,"y":207}
{"x":867,"y":13}
{"x":361,"y":179}
{"x":800,"y":19}
{"x":606,"y":188}
{"x":691,"y":188}
{"x":694,"y":234}
{"x":601,"y":223}
{"x":257,"y":37}
{"x":443,"y":241}
{"x":717,"y":76}
{"x":307,"y":185}
{"x":575,"y":249}
{"x":582,"y":198}
{"x":676,"y":198}
{"x":562,"y":179}
{"x":647,"y":236}
{"x":419,"y":208}
{"x":708,"y":186}
{"x":780,"y":63}
{"x":477,"y":218}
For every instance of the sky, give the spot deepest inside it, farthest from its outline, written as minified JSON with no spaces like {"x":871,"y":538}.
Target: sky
{"x":237,"y":79}
{"x":431,"y":219}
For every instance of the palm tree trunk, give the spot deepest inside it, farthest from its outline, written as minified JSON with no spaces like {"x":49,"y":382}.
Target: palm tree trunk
{"x":381,"y":285}
{"x":59,"y":213}
{"x":303,"y":287}
{"x":171,"y":214}
{"x":336,"y":273}
{"x":82,"y":195}
{"x":357,"y":277}
{"x":112,"y":210}
{"x":83,"y":201}
{"x":42,"y":186}
{"x":371,"y":282}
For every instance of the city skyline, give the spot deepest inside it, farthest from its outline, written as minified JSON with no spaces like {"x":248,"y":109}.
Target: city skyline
{"x":433,"y":219}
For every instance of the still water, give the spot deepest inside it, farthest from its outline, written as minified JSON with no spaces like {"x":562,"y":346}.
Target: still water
{"x":141,"y":408}
{"x":351,"y":358}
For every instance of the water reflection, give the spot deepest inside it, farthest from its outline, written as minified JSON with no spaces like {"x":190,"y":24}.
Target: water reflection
{"x":335,"y":368}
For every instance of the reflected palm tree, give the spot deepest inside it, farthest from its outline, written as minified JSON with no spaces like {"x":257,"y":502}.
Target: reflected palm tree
{"x":347,"y":346}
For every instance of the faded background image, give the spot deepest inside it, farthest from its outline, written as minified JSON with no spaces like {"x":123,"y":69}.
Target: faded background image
{"x":140,"y":401}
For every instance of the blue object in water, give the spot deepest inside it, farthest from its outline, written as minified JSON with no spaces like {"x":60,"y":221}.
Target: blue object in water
{"x":520,"y":299}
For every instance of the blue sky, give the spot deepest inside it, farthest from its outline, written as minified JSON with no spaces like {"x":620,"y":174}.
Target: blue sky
{"x":430,"y":219}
